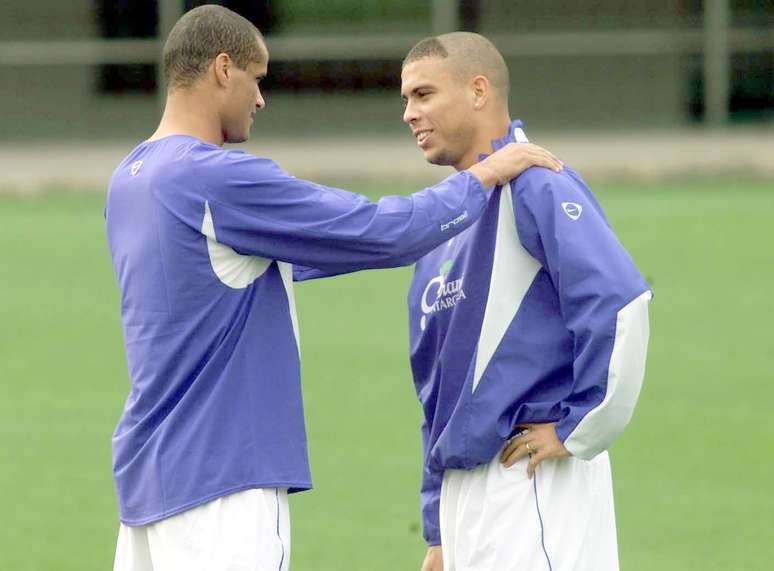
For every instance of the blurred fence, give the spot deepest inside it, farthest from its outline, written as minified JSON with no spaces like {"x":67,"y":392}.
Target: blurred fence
{"x":396,"y":163}
{"x":574,"y":62}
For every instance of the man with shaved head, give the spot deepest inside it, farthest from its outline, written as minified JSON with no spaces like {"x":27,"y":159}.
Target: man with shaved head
{"x":528,"y":336}
{"x":205,"y":243}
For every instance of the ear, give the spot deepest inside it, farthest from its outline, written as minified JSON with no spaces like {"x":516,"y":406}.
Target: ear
{"x":481,"y":91}
{"x":223,"y":67}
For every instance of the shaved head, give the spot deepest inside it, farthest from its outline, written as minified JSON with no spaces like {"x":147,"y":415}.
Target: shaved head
{"x":469,"y":55}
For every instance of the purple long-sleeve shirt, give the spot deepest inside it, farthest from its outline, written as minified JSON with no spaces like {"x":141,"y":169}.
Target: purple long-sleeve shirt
{"x":534,"y":314}
{"x":203,"y":241}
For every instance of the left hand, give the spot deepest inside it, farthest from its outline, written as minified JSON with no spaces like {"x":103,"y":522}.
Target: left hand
{"x":542,"y":441}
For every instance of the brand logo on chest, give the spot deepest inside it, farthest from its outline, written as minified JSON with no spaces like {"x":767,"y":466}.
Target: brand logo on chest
{"x":441,"y":294}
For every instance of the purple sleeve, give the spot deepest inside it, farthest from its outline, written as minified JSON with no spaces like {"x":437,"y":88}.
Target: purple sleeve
{"x":562,"y":225}
{"x":430,"y":495}
{"x":305,"y":273}
{"x":259,"y":209}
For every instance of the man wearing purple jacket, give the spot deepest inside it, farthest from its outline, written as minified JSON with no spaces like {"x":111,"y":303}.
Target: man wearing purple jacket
{"x":528,"y":336}
{"x":203,"y":242}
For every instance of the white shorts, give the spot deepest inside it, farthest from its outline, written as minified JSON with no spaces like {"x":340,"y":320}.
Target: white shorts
{"x":245,"y":531}
{"x":496,"y":519}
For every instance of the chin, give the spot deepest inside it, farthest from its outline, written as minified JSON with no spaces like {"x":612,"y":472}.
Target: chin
{"x":439,"y":158}
{"x":237,"y":137}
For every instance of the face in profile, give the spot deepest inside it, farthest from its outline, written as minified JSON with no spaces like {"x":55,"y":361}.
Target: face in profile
{"x":243,"y":99}
{"x":439,"y":110}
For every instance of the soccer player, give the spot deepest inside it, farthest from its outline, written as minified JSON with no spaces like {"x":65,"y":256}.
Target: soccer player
{"x":203,"y":241}
{"x":528,"y":336}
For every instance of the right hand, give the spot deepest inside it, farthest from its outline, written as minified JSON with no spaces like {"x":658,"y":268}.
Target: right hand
{"x":433,"y":559}
{"x":510,"y":161}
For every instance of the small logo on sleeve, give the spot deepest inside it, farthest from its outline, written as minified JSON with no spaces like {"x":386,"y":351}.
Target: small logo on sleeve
{"x":136,"y":166}
{"x":454,"y":222}
{"x":572,"y":209}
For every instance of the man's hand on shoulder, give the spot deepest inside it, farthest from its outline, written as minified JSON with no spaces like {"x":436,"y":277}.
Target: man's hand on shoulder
{"x":433,"y":559}
{"x":512,"y":160}
{"x":539,"y":442}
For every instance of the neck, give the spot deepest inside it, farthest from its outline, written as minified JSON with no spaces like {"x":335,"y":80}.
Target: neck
{"x":494,"y":126}
{"x":189,"y":112}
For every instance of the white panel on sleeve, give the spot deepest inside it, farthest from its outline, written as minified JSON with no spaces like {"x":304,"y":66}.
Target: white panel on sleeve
{"x":286,"y":271}
{"x":600,"y":427}
{"x":513,"y":271}
{"x":235,"y":270}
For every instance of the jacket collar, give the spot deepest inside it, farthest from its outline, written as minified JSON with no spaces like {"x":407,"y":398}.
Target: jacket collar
{"x":515,"y":135}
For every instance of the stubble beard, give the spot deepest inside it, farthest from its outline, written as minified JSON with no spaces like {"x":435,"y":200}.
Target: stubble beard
{"x":235,"y":138}
{"x":448,"y":157}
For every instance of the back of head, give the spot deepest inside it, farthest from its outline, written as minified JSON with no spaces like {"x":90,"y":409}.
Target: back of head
{"x":203,"y":33}
{"x":469,"y":55}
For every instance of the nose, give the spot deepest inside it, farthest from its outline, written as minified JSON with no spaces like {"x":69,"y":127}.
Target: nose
{"x":260,"y":103}
{"x":409,"y":114}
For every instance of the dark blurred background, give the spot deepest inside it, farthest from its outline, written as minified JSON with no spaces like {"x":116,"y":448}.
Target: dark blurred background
{"x":88,"y":68}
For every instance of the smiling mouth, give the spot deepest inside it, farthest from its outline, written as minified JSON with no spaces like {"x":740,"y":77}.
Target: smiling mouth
{"x":422,"y":137}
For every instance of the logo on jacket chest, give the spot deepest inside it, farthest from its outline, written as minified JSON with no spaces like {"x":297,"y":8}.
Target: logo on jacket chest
{"x":441,"y":293}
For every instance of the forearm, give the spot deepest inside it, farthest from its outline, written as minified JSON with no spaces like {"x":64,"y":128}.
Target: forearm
{"x":588,"y":430}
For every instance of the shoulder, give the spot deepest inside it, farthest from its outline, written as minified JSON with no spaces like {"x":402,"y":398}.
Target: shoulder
{"x":219,"y":169}
{"x":540,"y":190}
{"x":538,"y":183}
{"x":211,"y":158}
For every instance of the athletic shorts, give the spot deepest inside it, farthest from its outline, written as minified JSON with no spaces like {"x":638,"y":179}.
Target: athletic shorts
{"x":245,"y":531}
{"x":496,"y":519}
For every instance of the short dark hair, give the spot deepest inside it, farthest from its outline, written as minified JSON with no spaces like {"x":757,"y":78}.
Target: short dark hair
{"x":203,"y":33}
{"x":471,"y":54}
{"x":429,"y":47}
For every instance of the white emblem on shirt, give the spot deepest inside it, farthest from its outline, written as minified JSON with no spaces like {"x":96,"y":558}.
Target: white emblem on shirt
{"x":572,"y":209}
{"x":136,"y":165}
{"x":441,"y":293}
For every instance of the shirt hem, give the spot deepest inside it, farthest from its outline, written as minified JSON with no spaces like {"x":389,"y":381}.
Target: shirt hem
{"x":291,"y":486}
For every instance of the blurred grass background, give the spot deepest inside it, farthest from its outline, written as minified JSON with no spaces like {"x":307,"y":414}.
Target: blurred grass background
{"x":692,"y":473}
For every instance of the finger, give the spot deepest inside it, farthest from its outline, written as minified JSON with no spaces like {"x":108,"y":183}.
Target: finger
{"x":554,"y":163}
{"x":514,"y":443}
{"x":554,"y":157}
{"x":549,"y":163}
{"x":515,"y":456}
{"x":528,"y":155}
{"x":542,"y":158}
{"x":508,"y":450}
{"x":549,"y":153}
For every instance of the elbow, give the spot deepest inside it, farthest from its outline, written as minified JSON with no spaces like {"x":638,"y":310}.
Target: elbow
{"x":394,"y":254}
{"x":590,"y":439}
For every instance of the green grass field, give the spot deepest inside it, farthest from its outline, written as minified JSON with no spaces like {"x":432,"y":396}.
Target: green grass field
{"x":694,"y":473}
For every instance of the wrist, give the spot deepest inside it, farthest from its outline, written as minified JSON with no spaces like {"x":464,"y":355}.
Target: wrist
{"x":486,"y":175}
